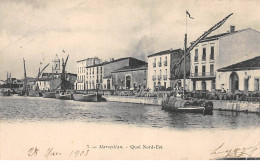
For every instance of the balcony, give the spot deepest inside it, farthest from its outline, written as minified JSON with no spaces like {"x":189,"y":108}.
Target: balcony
{"x":159,"y":77}
{"x":154,"y":78}
{"x":159,"y":64}
{"x":203,"y":75}
{"x":165,"y":63}
{"x":154,"y":64}
{"x":164,"y":77}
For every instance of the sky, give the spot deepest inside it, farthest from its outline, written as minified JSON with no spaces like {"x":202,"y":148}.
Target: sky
{"x":37,"y":30}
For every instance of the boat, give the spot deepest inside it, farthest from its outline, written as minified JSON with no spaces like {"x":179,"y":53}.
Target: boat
{"x":34,"y":93}
{"x":182,"y":103}
{"x":88,"y":97}
{"x":48,"y":95}
{"x":64,"y":95}
{"x":185,"y":106}
{"x":4,"y":92}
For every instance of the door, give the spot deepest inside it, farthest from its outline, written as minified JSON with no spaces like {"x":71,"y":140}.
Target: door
{"x":234,"y":82}
{"x":108,"y":84}
{"x":128,"y":82}
{"x":203,"y":85}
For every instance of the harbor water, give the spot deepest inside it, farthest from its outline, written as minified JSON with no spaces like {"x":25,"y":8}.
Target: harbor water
{"x":37,"y":109}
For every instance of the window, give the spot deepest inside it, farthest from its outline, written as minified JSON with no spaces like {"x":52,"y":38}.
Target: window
{"x":196,"y":70}
{"x":196,"y":55}
{"x":154,"y":63}
{"x":203,"y":70}
{"x":97,"y":70}
{"x":204,"y":54}
{"x":211,"y":70}
{"x":165,"y":71}
{"x":160,"y":72}
{"x":212,"y":53}
{"x":164,"y":84}
{"x":100,"y":70}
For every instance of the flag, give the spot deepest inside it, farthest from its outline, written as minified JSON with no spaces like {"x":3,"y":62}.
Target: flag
{"x":189,"y":14}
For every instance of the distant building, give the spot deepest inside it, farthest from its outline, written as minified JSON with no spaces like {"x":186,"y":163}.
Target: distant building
{"x":100,"y":75}
{"x":130,"y":77}
{"x":160,"y":68}
{"x":56,"y":68}
{"x":244,"y":76}
{"x":218,"y":51}
{"x":49,"y":82}
{"x":82,"y":72}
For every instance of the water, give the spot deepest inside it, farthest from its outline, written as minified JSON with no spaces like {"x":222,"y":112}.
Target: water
{"x":16,"y":108}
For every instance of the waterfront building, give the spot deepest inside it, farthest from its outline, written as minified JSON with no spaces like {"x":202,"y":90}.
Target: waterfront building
{"x":130,"y":77}
{"x":218,"y":51}
{"x":99,"y":76}
{"x":52,"y":82}
{"x":160,"y":68}
{"x":83,"y":73}
{"x":244,"y":76}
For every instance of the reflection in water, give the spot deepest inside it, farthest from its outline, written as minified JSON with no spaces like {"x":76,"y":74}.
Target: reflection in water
{"x":17,"y":108}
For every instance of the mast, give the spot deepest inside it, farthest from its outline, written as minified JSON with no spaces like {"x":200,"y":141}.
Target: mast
{"x":184,"y":65}
{"x":25,"y":79}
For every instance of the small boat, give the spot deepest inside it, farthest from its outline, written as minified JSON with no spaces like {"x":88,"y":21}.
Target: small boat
{"x":5,"y":93}
{"x":185,"y":106}
{"x":64,"y":95}
{"x":33,"y":93}
{"x":48,"y":95}
{"x":88,"y":97}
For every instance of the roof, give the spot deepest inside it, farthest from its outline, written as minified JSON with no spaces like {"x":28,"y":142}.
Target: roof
{"x":163,"y":52}
{"x":87,"y":59}
{"x":131,"y":68}
{"x":249,"y":64}
{"x":215,"y":37}
{"x":104,"y":63}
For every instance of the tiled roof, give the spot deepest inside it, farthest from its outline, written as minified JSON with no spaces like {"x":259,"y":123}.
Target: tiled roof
{"x":131,"y":68}
{"x":164,"y":52}
{"x":249,"y":64}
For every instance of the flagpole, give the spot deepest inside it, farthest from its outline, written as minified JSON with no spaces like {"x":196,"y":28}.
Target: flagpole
{"x":184,"y":53}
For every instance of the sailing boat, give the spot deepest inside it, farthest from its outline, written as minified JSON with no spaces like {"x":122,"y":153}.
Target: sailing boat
{"x":49,"y":94}
{"x":64,"y":93}
{"x":36,"y":92}
{"x":181,"y":104}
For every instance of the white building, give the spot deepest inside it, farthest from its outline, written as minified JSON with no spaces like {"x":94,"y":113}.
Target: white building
{"x":218,"y":51}
{"x":83,"y":75}
{"x":160,"y":68}
{"x":244,"y":76}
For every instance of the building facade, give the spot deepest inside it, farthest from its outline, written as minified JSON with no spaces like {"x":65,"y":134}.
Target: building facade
{"x":130,"y":77}
{"x":83,"y":73}
{"x":99,"y":76}
{"x":160,"y":67}
{"x":243,"y":76}
{"x":219,"y":51}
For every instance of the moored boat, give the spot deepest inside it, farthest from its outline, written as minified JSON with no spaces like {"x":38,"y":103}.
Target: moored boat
{"x":185,"y":106}
{"x":64,"y":95}
{"x":33,"y":93}
{"x":48,"y":95}
{"x":87,"y":97}
{"x":5,"y":93}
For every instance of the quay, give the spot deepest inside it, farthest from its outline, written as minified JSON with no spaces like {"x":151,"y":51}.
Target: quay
{"x":222,"y":105}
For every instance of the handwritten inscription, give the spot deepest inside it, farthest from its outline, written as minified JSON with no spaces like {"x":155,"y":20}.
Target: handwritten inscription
{"x":52,"y":152}
{"x":239,"y":152}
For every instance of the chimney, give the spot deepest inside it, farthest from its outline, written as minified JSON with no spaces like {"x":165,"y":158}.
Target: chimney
{"x":111,"y":59}
{"x":232,"y":28}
